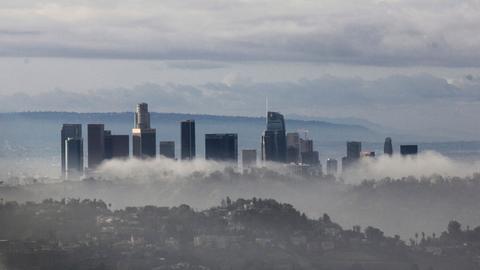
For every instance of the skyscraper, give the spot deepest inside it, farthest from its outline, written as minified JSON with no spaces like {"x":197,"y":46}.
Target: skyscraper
{"x":274,"y":144}
{"x":143,"y":137}
{"x":332,"y":166}
{"x":68,"y":131}
{"x":73,"y":157}
{"x":293,"y":147}
{"x":407,"y":150}
{"x":353,"y":154}
{"x":388,"y":147}
{"x":306,"y":145}
{"x":249,"y":158}
{"x":353,"y":150}
{"x":221,"y":147}
{"x":167,"y":149}
{"x":96,"y":145}
{"x":116,"y":146}
{"x":187,"y":130}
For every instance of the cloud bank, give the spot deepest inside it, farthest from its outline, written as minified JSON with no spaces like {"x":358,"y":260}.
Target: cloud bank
{"x":372,"y":32}
{"x":419,"y":103}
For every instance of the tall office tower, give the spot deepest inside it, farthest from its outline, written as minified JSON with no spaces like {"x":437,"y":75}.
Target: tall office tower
{"x":353,"y":154}
{"x":388,"y":147}
{"x":143,"y":137}
{"x":116,"y":146}
{"x":353,"y":150}
{"x":221,"y":147}
{"x":68,"y":131}
{"x":142,"y":116}
{"x":73,"y":157}
{"x":96,"y":145}
{"x":332,"y":166}
{"x":306,"y":145}
{"x":293,"y":147}
{"x":187,"y":130}
{"x":407,"y":150}
{"x":167,"y":149}
{"x":274,"y":142}
{"x":249,"y":158}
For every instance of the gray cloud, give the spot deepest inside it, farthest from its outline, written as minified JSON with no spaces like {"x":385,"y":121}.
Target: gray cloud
{"x":422,"y":103}
{"x":440,"y":33}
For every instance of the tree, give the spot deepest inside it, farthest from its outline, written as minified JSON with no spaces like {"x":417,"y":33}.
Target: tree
{"x":454,"y":229}
{"x":326,"y":218}
{"x":373,"y":234}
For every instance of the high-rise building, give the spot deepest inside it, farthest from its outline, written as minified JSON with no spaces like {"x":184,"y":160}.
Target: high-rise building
{"x":354,"y":149}
{"x":407,"y":150}
{"x":142,"y":116}
{"x":96,"y":145}
{"x":68,"y":131}
{"x":73,"y":157}
{"x":167,"y":149}
{"x":274,"y":143}
{"x":306,"y":145}
{"x":310,"y":158}
{"x":187,"y":146}
{"x":388,"y":147}
{"x":353,"y":154}
{"x":143,"y":137}
{"x":332,"y":166}
{"x":221,"y":147}
{"x":116,"y":146}
{"x":293,"y":147}
{"x":249,"y":158}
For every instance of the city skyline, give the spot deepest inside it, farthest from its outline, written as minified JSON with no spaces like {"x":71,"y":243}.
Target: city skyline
{"x":276,"y":146}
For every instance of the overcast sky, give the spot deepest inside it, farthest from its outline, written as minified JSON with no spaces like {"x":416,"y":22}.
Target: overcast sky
{"x":410,"y":64}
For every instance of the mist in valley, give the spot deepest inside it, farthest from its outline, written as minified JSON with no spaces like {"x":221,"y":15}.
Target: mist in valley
{"x":400,"y":195}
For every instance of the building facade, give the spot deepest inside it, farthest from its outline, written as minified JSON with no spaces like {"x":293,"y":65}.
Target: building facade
{"x":187,"y":134}
{"x":73,"y":157}
{"x":117,"y":146}
{"x":143,"y":136}
{"x":293,"y":147}
{"x":96,"y":145}
{"x":332,"y":166}
{"x":68,"y":131}
{"x":221,"y":147}
{"x":388,"y":147}
{"x":167,"y":149}
{"x":408,"y":150}
{"x":274,"y":142}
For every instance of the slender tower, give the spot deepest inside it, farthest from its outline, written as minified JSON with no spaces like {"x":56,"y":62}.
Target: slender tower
{"x":274,"y":141}
{"x":187,"y":134}
{"x":143,"y":136}
{"x":388,"y":147}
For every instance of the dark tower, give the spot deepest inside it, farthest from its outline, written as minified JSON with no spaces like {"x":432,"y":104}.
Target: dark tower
{"x":116,"y":146}
{"x":167,"y":149}
{"x":221,"y":147}
{"x":74,"y":157}
{"x":187,"y":139}
{"x":409,"y":150}
{"x":68,"y":131}
{"x":388,"y":147}
{"x":96,"y":145}
{"x":274,"y":141}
